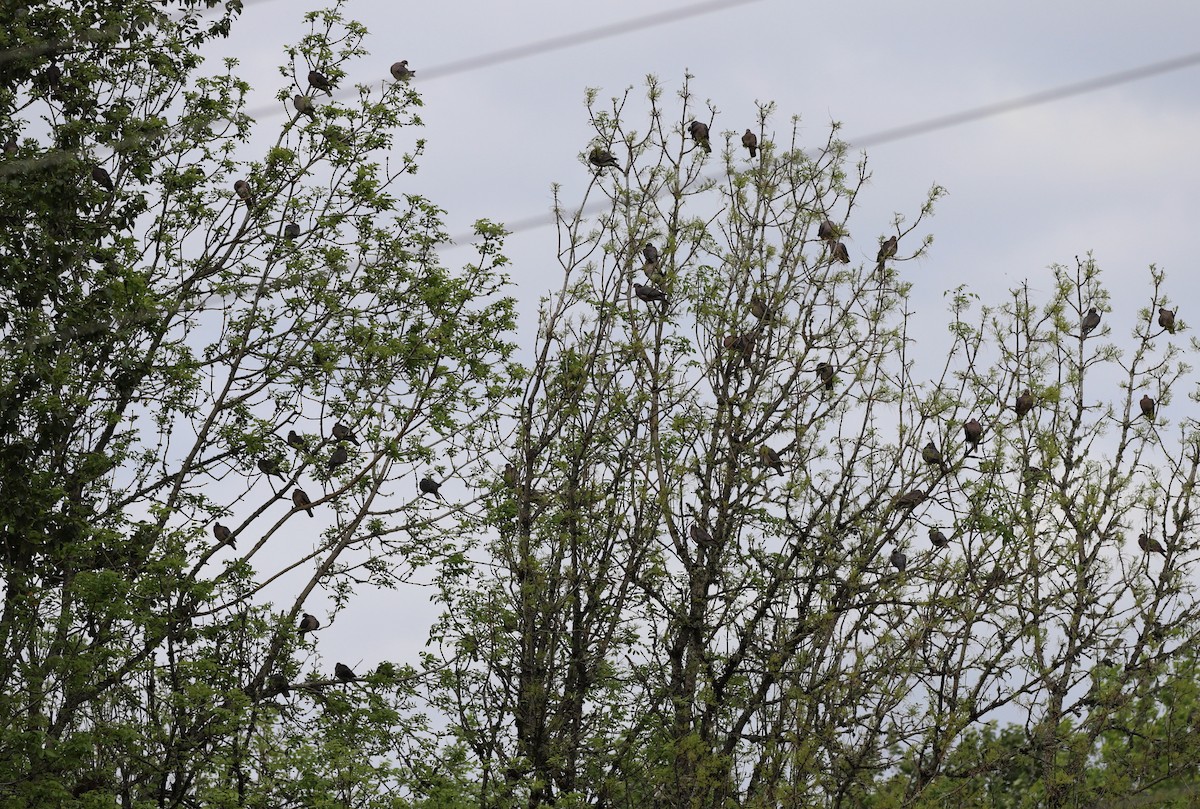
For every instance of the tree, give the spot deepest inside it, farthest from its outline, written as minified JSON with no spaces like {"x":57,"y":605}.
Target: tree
{"x":171,"y":310}
{"x":710,"y":581}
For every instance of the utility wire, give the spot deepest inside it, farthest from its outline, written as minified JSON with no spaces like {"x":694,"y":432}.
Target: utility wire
{"x":942,"y":121}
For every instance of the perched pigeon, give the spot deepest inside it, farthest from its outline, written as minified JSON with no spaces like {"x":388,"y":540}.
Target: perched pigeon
{"x":898,"y":560}
{"x":841,"y":253}
{"x":650,"y":253}
{"x":750,"y":141}
{"x":602,"y":158}
{"x":770,"y":458}
{"x":400,"y":71}
{"x":1147,"y":405}
{"x":1150,"y":545}
{"x":242,"y":189}
{"x":510,"y":476}
{"x":931,"y":455}
{"x":937,"y":538}
{"x":224,"y":535}
{"x":827,"y":231}
{"x":304,"y":105}
{"x":300,"y":500}
{"x":430,"y":486}
{"x":319,"y":80}
{"x":700,"y":534}
{"x":649,"y":294}
{"x":1166,"y":319}
{"x":1024,"y":403}
{"x":1090,"y":321}
{"x":270,"y":466}
{"x":343,"y":433}
{"x":308,"y":623}
{"x":295,"y":441}
{"x":102,"y":178}
{"x":825,"y":373}
{"x":973,"y":432}
{"x":699,"y":133}
{"x":343,"y":673}
{"x":909,"y":500}
{"x":339,"y":458}
{"x":887,"y":249}
{"x":758,"y":307}
{"x":291,"y":231}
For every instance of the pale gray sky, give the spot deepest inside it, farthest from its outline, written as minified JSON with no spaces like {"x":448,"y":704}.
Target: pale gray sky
{"x":1115,"y":171}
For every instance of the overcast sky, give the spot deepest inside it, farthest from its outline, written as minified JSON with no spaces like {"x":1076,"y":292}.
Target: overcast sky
{"x":1114,"y":171}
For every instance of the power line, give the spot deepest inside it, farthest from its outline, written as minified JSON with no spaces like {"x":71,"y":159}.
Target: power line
{"x":945,"y":121}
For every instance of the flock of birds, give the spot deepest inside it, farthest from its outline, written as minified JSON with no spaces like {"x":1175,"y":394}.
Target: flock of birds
{"x":742,"y":346}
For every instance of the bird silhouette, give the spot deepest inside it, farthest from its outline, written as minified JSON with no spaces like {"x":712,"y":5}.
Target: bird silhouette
{"x":304,"y":105}
{"x":295,"y":441}
{"x":102,"y":178}
{"x":343,"y":433}
{"x":770,"y":458}
{"x":300,"y":500}
{"x":700,"y":534}
{"x":339,"y":458}
{"x":242,"y":189}
{"x":937,"y":538}
{"x":291,"y":231}
{"x":224,"y":535}
{"x":1150,"y":545}
{"x":650,"y":294}
{"x":699,"y":133}
{"x":308,"y":623}
{"x":1166,"y":319}
{"x":758,"y":308}
{"x":602,"y":158}
{"x":430,"y":486}
{"x":400,"y":71}
{"x":973,"y":432}
{"x":278,"y":684}
{"x":827,"y":231}
{"x":1090,"y":321}
{"x":343,"y":673}
{"x":750,"y":141}
{"x":909,"y":500}
{"x":825,"y":373}
{"x":510,"y":476}
{"x":1024,"y":403}
{"x":898,"y":560}
{"x":841,"y":253}
{"x":270,"y":466}
{"x":650,"y":253}
{"x":319,"y":80}
{"x":887,"y":249}
{"x":1147,"y":405}
{"x":931,"y":455}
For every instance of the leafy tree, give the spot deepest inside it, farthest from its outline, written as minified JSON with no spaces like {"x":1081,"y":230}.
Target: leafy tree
{"x":171,"y":308}
{"x":712,"y":579}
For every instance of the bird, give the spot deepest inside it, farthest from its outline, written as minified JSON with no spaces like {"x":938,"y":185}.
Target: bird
{"x":1150,"y":545}
{"x":278,"y":684}
{"x":699,"y":133}
{"x":827,"y":231}
{"x":750,"y":141}
{"x":1032,"y":476}
{"x":1024,"y":403}
{"x":887,"y":249}
{"x":343,"y":433}
{"x":909,"y":500}
{"x":430,"y":486}
{"x":650,"y":253}
{"x":1147,"y":405}
{"x":319,"y":80}
{"x":1090,"y":321}
{"x":937,"y":538}
{"x":339,"y":458}
{"x":931,"y":455}
{"x":300,"y":500}
{"x":242,"y":189}
{"x":898,"y":560}
{"x":758,"y":307}
{"x":304,"y":105}
{"x":308,"y":623}
{"x":1166,"y":319}
{"x":10,"y":146}
{"x":291,"y":231}
{"x":270,"y":466}
{"x":654,"y":275}
{"x":770,"y":458}
{"x":295,"y":441}
{"x":973,"y":432}
{"x":343,"y":673}
{"x":742,"y":344}
{"x":224,"y":535}
{"x":602,"y":158}
{"x":400,"y":71}
{"x":650,"y":294}
{"x":102,"y":178}
{"x":510,"y":476}
{"x":841,"y":253}
{"x":700,"y":534}
{"x":825,"y":373}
